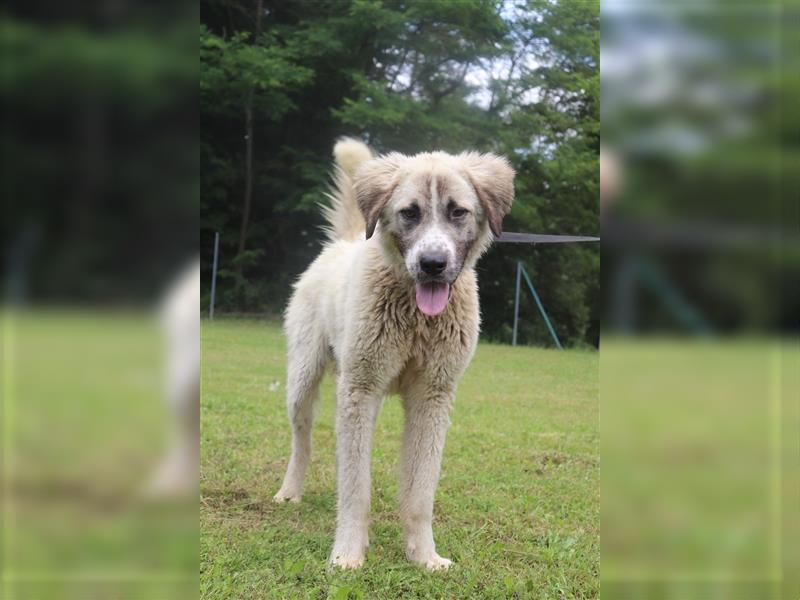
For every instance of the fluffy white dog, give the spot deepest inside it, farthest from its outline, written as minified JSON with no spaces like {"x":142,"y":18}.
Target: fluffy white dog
{"x":392,"y":301}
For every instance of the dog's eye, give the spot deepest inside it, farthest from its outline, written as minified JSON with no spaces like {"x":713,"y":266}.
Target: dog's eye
{"x":458,"y":213}
{"x":411,"y":213}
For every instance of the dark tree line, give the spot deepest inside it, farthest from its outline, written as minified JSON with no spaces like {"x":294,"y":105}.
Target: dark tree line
{"x":281,"y":80}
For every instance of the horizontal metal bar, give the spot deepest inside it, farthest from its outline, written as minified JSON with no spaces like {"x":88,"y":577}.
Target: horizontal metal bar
{"x":541,"y":238}
{"x":693,"y":235}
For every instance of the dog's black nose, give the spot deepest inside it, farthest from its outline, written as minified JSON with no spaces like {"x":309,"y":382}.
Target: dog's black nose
{"x":434,"y":263}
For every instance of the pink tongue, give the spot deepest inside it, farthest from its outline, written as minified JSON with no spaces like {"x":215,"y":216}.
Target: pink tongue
{"x":432,"y":297}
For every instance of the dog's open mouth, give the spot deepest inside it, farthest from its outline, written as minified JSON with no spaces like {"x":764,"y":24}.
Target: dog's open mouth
{"x":432,"y":297}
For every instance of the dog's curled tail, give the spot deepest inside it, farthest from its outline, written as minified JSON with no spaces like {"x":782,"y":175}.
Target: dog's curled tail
{"x":345,"y":221}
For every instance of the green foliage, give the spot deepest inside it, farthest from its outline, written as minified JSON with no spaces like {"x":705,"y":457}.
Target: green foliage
{"x":518,"y":79}
{"x":99,"y":160}
{"x":235,"y":68}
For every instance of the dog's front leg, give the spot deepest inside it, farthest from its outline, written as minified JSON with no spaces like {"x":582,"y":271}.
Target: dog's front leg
{"x":356,"y":411}
{"x":427,"y":421}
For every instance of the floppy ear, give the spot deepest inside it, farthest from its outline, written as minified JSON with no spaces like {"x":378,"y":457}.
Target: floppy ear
{"x":493,"y":180}
{"x":375,"y":181}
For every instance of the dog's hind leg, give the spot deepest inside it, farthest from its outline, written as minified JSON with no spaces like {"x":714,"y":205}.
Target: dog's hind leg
{"x":308,"y":357}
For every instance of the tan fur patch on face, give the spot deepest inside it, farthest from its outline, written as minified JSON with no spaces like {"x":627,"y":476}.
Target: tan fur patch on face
{"x":433,"y":209}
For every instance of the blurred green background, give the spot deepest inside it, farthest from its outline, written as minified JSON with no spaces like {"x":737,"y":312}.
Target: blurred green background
{"x":701,"y":272}
{"x":99,"y":172}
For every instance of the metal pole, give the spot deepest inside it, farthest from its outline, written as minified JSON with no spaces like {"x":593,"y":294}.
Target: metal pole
{"x":214,"y":276}
{"x":541,"y":309}
{"x":516,"y":305}
{"x":624,"y":290}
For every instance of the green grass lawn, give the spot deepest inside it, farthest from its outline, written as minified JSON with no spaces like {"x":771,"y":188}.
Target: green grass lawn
{"x":517,"y":507}
{"x":699,"y":486}
{"x":83,"y":424}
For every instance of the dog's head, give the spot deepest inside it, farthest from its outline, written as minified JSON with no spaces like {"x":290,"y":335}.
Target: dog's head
{"x":436,"y":212}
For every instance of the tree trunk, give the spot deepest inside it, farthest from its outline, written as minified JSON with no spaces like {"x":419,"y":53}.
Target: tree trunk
{"x":247,"y":201}
{"x":248,"y":172}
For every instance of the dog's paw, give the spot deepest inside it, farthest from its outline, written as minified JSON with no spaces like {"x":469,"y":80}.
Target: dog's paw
{"x":285,"y":496}
{"x":438,"y":563}
{"x":348,"y":550}
{"x":425,"y":556}
{"x":347,"y":561}
{"x":434,"y":562}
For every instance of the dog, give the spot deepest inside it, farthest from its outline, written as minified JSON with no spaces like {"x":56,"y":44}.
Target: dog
{"x":392,"y":302}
